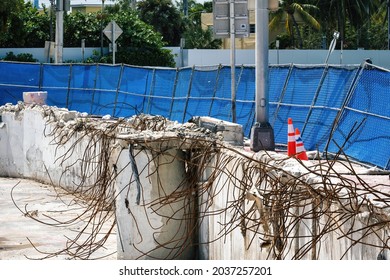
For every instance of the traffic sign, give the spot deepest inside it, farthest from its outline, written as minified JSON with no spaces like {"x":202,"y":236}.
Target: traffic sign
{"x":227,"y":21}
{"x":112,"y":31}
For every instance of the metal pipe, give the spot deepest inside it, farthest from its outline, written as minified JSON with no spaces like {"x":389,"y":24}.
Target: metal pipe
{"x":332,"y":45}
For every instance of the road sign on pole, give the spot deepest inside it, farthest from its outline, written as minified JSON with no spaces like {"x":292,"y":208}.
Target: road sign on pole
{"x":113,"y":31}
{"x":228,"y":13}
{"x":231,"y":20}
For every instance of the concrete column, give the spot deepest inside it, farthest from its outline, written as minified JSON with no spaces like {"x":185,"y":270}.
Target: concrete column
{"x":155,"y":228}
{"x":59,"y":36}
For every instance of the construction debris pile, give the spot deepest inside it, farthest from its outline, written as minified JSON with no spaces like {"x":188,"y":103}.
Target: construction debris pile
{"x":269,"y":205}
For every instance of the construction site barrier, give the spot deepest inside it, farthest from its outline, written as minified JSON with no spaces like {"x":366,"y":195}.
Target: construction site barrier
{"x":338,"y":108}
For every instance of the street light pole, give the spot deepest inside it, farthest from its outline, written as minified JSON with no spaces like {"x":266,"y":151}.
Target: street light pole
{"x":51,"y":20}
{"x":261,"y":60}
{"x":262,"y":134}
{"x":59,"y":32}
{"x":388,"y":24}
{"x":101,"y":30}
{"x":185,"y":7}
{"x":233,"y":60}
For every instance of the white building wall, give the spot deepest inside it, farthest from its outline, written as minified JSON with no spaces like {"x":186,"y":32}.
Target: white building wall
{"x":347,"y":57}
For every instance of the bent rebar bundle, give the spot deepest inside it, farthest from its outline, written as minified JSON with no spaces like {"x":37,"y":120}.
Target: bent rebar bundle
{"x":269,"y":205}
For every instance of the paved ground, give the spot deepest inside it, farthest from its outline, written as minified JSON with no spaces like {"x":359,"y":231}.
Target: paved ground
{"x":27,"y":207}
{"x":29,"y":236}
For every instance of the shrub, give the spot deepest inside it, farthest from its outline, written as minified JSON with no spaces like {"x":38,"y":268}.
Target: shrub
{"x":22,"y":57}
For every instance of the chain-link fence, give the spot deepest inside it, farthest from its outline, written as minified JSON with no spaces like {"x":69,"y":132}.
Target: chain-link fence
{"x":336,"y":107}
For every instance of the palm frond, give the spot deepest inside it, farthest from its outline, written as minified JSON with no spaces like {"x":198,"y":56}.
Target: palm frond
{"x":276,"y":18}
{"x":289,"y":25}
{"x":306,"y":17}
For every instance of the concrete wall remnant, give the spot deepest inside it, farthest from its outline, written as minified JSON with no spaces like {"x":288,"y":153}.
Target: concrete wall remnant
{"x":152,"y":207}
{"x":180,"y":191}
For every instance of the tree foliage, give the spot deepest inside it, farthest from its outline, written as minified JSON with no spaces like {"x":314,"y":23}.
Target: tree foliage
{"x":153,"y":24}
{"x":23,"y":57}
{"x":139,"y":43}
{"x":288,"y":12}
{"x":344,"y":15}
{"x":26,"y":27}
{"x":79,"y":26}
{"x":9,"y":9}
{"x":362,"y":24}
{"x":197,"y":37}
{"x":164,"y":17}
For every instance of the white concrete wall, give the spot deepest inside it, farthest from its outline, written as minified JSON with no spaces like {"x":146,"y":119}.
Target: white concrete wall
{"x":215,"y":57}
{"x":69,"y":54}
{"x":29,"y":151}
{"x":230,"y":242}
{"x":156,"y":228}
{"x":206,"y":57}
{"x":46,"y":147}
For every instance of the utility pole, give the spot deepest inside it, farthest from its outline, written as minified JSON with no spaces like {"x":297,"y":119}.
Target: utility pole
{"x":133,"y":4}
{"x":233,"y":59}
{"x":101,"y":30}
{"x":62,"y":5}
{"x":388,"y":24}
{"x":59,"y":44}
{"x":262,"y":134}
{"x":51,"y":20}
{"x":185,"y":7}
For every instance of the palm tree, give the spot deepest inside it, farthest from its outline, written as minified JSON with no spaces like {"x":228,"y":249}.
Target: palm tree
{"x":196,"y":36}
{"x":337,"y":13}
{"x":288,"y":12}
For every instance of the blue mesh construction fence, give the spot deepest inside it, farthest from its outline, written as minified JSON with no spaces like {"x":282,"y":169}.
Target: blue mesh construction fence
{"x":339,"y":109}
{"x":363,"y":123}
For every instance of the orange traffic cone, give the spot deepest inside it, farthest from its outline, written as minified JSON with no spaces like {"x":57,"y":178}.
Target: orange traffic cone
{"x":300,"y":148}
{"x":291,"y":150}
